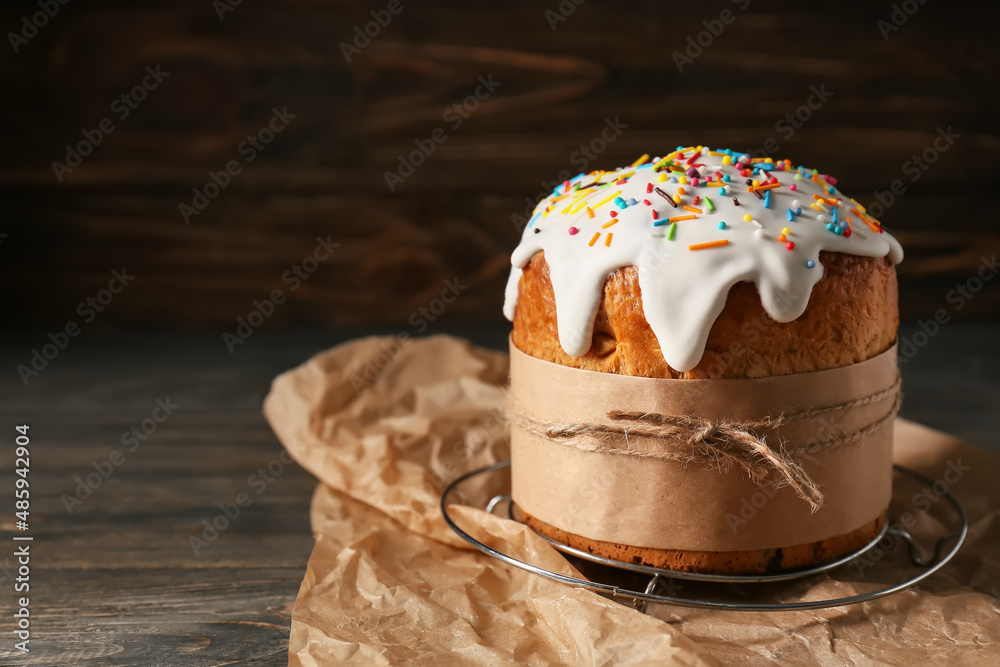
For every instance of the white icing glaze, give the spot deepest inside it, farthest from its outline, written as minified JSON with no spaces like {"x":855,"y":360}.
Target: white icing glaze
{"x":683,"y":290}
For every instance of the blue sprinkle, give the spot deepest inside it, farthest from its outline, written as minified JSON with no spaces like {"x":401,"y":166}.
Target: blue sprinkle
{"x":830,"y":190}
{"x":838,"y":231}
{"x":726,"y":178}
{"x":722,"y":191}
{"x":797,"y":211}
{"x":833,"y":215}
{"x":791,"y":217}
{"x":632,"y":201}
{"x":673,"y":179}
{"x":661,"y":222}
{"x":829,"y":227}
{"x":766,"y":166}
{"x":680,"y":148}
{"x":729,"y":152}
{"x":533,"y":218}
{"x":810,"y":264}
{"x":722,"y":224}
{"x":767,"y":199}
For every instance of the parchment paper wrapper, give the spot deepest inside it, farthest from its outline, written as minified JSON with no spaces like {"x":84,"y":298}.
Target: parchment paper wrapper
{"x":384,"y":426}
{"x":615,"y":496}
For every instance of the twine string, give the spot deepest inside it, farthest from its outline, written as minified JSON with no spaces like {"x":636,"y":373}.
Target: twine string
{"x":719,"y":442}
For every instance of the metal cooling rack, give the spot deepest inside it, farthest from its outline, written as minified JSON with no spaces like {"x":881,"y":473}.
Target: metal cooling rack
{"x":720,"y":585}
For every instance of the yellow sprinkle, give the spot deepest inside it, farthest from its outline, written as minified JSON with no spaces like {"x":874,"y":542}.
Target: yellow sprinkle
{"x":817,"y":207}
{"x":748,"y":217}
{"x":677,"y":199}
{"x":715,"y":153}
{"x":645,"y":156}
{"x":594,"y":238}
{"x":756,"y":182}
{"x":663,"y":177}
{"x":576,"y":207}
{"x":786,"y":230}
{"x":612,"y":221}
{"x":727,"y":160}
{"x":682,"y":180}
{"x":590,"y":212}
{"x":607,"y":241}
{"x":607,"y":199}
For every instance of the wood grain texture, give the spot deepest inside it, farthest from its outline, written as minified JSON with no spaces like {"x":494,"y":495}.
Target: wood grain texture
{"x":324,"y":175}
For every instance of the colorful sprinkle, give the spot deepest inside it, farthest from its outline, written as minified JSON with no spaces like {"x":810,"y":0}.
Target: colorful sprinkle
{"x":810,"y":264}
{"x":722,"y":224}
{"x":678,"y":218}
{"x":607,"y":240}
{"x":693,"y":209}
{"x":671,"y":230}
{"x":604,"y":201}
{"x":710,"y":244}
{"x":708,"y":203}
{"x":573,"y":231}
{"x":665,"y":196}
{"x":594,"y":238}
{"x":613,"y":221}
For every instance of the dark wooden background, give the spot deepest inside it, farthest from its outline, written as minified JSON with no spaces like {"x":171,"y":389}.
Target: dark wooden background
{"x":324,"y":174}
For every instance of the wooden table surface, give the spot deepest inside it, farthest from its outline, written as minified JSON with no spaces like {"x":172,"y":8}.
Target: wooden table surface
{"x":116,"y":582}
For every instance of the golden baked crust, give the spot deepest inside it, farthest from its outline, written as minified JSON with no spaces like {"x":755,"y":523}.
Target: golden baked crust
{"x":758,"y":561}
{"x":852,"y":316}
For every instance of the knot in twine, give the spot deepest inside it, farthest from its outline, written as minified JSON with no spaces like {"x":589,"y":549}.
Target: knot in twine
{"x":720,"y":443}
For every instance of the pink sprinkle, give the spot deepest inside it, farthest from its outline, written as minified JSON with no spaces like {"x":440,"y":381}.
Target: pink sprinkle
{"x":573,"y":231}
{"x":649,"y":187}
{"x":793,"y":187}
{"x":739,"y":165}
{"x":830,"y":179}
{"x":781,"y":166}
{"x":694,"y":180}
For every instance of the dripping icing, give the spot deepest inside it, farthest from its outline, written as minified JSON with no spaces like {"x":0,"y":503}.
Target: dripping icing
{"x":683,"y":289}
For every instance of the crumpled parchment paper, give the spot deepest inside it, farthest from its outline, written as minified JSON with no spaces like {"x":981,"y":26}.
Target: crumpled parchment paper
{"x":384,"y":423}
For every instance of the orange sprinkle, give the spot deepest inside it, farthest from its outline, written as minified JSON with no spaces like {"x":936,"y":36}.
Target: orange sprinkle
{"x":758,"y":188}
{"x":710,"y":244}
{"x":590,"y":212}
{"x":613,"y":221}
{"x":678,"y":218}
{"x":692,"y":209}
{"x":594,"y":238}
{"x":868,"y":221}
{"x":848,"y":222}
{"x":782,"y":238}
{"x":607,"y":241}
